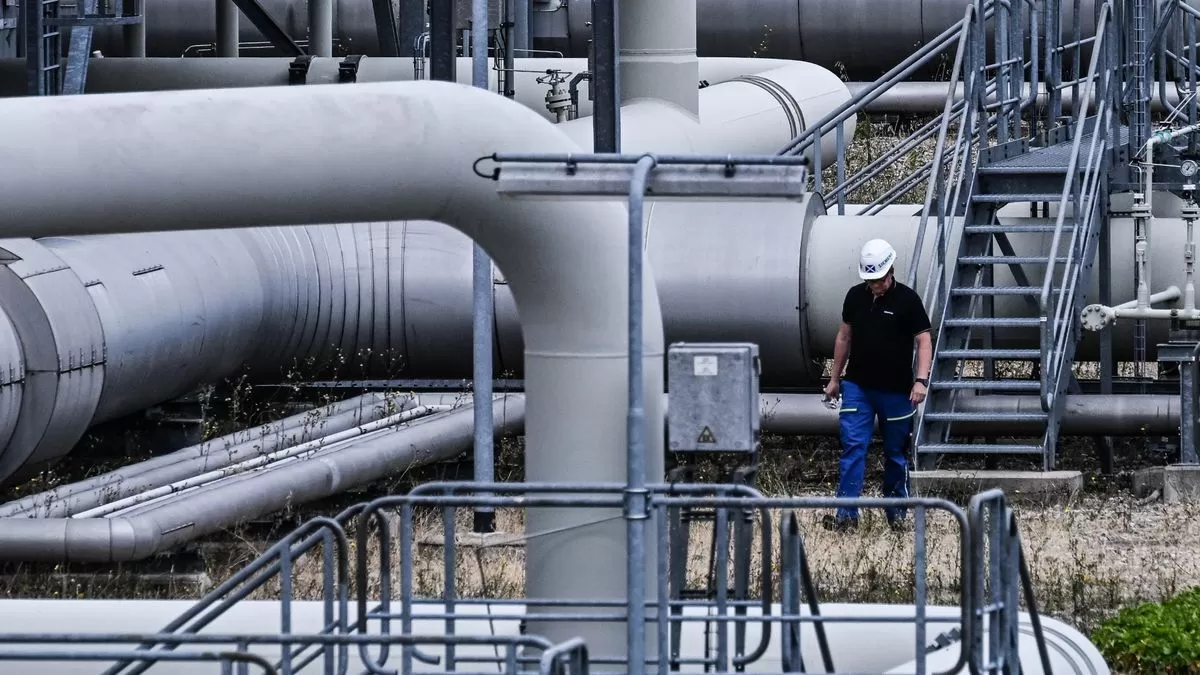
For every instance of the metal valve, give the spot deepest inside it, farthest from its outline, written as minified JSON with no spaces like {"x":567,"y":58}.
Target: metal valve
{"x":558,"y":99}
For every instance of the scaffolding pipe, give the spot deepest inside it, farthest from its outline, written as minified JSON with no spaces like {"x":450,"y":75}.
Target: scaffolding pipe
{"x":165,"y":524}
{"x":408,"y":154}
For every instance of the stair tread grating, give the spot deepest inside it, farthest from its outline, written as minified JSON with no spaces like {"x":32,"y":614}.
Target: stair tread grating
{"x":995,"y":385}
{"x":980,"y":449}
{"x":986,"y":417}
{"x":969,"y":354}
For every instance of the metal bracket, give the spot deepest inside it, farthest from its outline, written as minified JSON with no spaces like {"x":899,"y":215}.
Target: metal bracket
{"x":1186,"y":354}
{"x":716,"y":178}
{"x":298,"y":69}
{"x":348,"y":69}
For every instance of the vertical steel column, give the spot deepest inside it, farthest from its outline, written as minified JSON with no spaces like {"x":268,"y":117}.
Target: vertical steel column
{"x":510,"y":67}
{"x":443,"y":45}
{"x":320,"y":27}
{"x":482,"y":308}
{"x":412,"y":24}
{"x":606,"y":80}
{"x":134,"y":34}
{"x":522,"y":12}
{"x":228,"y":27}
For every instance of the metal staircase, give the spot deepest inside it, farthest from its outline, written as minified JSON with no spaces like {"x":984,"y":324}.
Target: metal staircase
{"x":1038,"y":268}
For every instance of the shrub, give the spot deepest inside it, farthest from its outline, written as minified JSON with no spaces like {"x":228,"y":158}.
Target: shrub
{"x":1161,"y":638}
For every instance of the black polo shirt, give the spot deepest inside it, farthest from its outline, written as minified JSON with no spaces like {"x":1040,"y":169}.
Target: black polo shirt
{"x":881,"y":337}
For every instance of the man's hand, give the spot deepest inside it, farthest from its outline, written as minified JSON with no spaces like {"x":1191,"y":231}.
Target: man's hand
{"x":917,"y":395}
{"x":833,"y":388}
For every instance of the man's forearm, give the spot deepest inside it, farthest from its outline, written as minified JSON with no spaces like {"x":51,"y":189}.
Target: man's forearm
{"x":924,"y":358}
{"x":841,"y":351}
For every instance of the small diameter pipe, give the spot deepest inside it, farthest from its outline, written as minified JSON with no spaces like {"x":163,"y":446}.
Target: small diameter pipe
{"x":636,"y":506}
{"x":131,"y":479}
{"x":261,"y":460}
{"x":228,"y":26}
{"x":1095,"y":317}
{"x":1190,"y":212}
{"x":482,"y":310}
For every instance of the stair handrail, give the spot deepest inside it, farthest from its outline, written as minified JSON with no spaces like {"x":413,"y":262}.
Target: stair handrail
{"x":1055,"y":324}
{"x":859,"y":102}
{"x":939,"y":182}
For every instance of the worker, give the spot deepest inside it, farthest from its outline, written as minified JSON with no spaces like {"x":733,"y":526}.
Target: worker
{"x":882,"y":320}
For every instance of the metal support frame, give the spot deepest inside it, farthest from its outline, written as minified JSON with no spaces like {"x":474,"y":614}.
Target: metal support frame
{"x":606,"y":77}
{"x":1187,"y":356}
{"x":269,"y":27}
{"x":483,"y":302}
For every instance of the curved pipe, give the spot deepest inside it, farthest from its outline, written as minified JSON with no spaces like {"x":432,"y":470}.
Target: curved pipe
{"x":570,"y":296}
{"x":749,"y":114}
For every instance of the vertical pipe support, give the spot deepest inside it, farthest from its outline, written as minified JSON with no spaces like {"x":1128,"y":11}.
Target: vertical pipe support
{"x":443,"y":43}
{"x":134,"y":34}
{"x":228,"y":38}
{"x":1187,"y":410}
{"x":320,"y":27}
{"x":482,"y":299}
{"x":606,"y":77}
{"x":636,"y":495}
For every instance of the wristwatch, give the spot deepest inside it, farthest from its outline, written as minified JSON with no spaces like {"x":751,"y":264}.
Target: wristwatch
{"x":924,"y":381}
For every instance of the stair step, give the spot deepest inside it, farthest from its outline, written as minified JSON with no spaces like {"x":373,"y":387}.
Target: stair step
{"x":984,"y":417}
{"x":1012,"y":229}
{"x":979,"y":449}
{"x":1008,"y":197}
{"x":989,"y":385}
{"x":999,"y":290}
{"x":1008,"y":322}
{"x":1008,"y":260}
{"x":990,"y":354}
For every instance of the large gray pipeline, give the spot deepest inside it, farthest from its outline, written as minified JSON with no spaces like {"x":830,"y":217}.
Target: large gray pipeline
{"x":888,"y":628}
{"x":408,"y":153}
{"x":740,"y":90}
{"x":122,"y":310}
{"x":161,"y":525}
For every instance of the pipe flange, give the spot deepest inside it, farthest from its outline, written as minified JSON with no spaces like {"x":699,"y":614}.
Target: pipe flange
{"x":1094,"y":317}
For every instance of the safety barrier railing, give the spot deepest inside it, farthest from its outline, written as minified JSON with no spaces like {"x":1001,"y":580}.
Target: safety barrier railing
{"x":999,"y":577}
{"x":380,"y":625}
{"x":1084,"y":188}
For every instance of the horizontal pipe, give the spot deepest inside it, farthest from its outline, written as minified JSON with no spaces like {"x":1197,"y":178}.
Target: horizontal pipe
{"x":165,"y":524}
{"x":261,"y":461}
{"x":889,"y":629}
{"x":157,"y":471}
{"x":1083,"y":415}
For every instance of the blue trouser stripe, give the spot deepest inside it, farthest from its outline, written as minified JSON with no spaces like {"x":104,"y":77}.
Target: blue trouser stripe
{"x":860,"y":409}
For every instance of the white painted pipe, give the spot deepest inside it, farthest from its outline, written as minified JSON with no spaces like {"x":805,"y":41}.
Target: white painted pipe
{"x":892,"y":645}
{"x":387,"y":152}
{"x":161,"y":469}
{"x":260,"y":461}
{"x":754,"y":114}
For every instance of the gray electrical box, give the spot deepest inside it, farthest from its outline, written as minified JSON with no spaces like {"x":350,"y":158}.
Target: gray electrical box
{"x":713,"y":397}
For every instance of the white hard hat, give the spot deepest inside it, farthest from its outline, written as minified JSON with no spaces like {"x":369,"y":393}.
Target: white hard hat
{"x":876,"y":259}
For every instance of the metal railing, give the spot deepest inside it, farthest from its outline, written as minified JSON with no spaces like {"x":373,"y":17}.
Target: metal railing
{"x":379,"y":624}
{"x":1083,"y":188}
{"x":999,"y":576}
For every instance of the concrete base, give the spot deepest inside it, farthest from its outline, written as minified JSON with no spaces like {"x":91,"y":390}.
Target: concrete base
{"x":1053,"y":487}
{"x":1175,"y":483}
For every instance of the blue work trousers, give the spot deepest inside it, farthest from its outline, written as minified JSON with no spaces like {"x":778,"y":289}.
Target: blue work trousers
{"x":860,"y":408}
